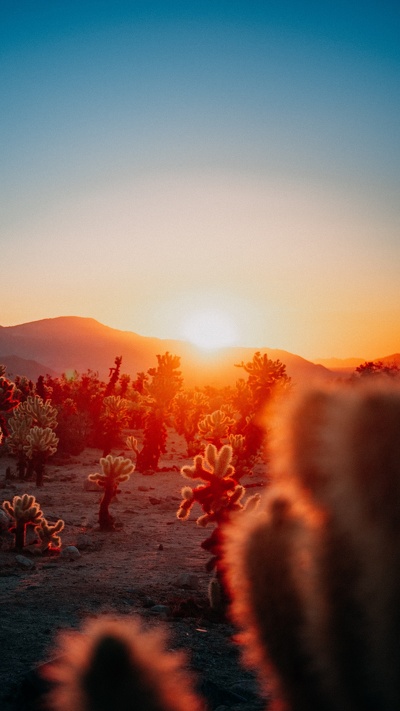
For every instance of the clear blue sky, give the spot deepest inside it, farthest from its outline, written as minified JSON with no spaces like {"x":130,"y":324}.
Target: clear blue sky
{"x":161,"y":157}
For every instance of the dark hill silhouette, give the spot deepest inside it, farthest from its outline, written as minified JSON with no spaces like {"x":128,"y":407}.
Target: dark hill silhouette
{"x":71,"y":343}
{"x":21,"y":366}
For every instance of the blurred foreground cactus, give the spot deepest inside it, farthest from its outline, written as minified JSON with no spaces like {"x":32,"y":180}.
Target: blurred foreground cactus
{"x":315,"y":576}
{"x":113,"y":663}
{"x":114,"y":471}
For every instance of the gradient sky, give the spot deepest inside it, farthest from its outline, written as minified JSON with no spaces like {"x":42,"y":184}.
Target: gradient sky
{"x":161,"y":157}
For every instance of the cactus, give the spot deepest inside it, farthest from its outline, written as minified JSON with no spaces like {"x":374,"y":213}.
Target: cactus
{"x":32,"y":439}
{"x":159,"y":392}
{"x":219,"y":497}
{"x":42,"y":412}
{"x":215,"y":427}
{"x":19,"y":425}
{"x":41,"y":443}
{"x":315,"y":577}
{"x":113,"y":663}
{"x":114,"y":471}
{"x":188,"y":409}
{"x":24,"y":510}
{"x":7,"y":402}
{"x":48,"y":535}
{"x":113,"y":418}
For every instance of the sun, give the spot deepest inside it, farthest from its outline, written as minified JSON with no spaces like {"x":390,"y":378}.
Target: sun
{"x":210,"y":329}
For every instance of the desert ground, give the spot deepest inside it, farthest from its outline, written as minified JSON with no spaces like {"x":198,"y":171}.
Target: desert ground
{"x":152,"y":566}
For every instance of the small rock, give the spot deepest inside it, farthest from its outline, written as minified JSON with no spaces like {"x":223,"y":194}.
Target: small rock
{"x":5,"y":521}
{"x":160,"y":547}
{"x":83,"y":541}
{"x":71,"y":553}
{"x":24,"y":562}
{"x":148,"y":602}
{"x":154,"y":501}
{"x":144,"y":488}
{"x":161,"y":610}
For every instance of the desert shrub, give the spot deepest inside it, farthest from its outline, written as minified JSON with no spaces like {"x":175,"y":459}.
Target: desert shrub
{"x":376,"y":369}
{"x":266,"y":380}
{"x":73,"y":428}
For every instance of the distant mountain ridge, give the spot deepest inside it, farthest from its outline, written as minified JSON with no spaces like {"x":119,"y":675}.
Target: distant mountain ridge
{"x":68,"y":343}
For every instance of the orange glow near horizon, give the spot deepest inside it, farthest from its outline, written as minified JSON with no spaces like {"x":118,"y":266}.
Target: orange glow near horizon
{"x":210,"y":329}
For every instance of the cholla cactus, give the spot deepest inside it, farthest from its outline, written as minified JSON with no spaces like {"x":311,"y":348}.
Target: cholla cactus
{"x":19,"y":425}
{"x":114,"y":417}
{"x":315,"y":576}
{"x":48,"y":535}
{"x":24,"y":510}
{"x":7,"y":401}
{"x":114,"y":471}
{"x":114,"y":664}
{"x":219,"y":498}
{"x":215,"y":469}
{"x":132,"y":443}
{"x":242,"y":460}
{"x":188,"y":409}
{"x":43,"y":414}
{"x":33,"y":414}
{"x":41,"y":443}
{"x":215,"y":427}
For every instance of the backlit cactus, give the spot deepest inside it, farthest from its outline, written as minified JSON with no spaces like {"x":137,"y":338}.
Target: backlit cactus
{"x":113,"y":663}
{"x":42,"y":412}
{"x":114,"y":417}
{"x":219,"y":498}
{"x":7,"y":402}
{"x":215,"y":427}
{"x":24,"y":510}
{"x":32,"y":439}
{"x":114,"y":471}
{"x":315,"y":576}
{"x":41,"y":443}
{"x":49,"y":535}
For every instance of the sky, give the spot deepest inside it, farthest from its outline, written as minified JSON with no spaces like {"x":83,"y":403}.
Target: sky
{"x":166,"y":164}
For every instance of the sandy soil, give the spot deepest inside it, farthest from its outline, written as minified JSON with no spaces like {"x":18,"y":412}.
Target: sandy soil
{"x":153,"y":566}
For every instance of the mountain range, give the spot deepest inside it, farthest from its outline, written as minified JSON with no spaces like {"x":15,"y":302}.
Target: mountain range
{"x":68,"y":343}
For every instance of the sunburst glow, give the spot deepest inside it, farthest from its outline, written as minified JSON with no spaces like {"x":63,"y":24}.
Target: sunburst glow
{"x":209,"y":329}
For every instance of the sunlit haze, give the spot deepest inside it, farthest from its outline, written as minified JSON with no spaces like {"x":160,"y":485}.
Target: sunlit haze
{"x":223,"y":172}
